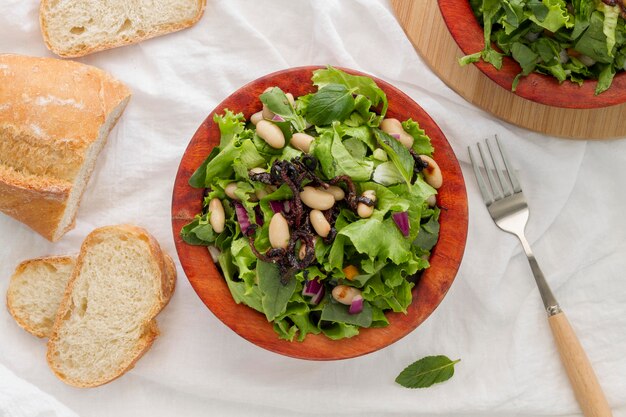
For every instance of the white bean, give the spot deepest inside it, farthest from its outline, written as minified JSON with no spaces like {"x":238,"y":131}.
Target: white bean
{"x":319,"y":223}
{"x":432,"y":200}
{"x":216,"y":218}
{"x":432,"y":173}
{"x":279,"y":231}
{"x":363,"y":210}
{"x":256,"y":117}
{"x":345,"y":294}
{"x":302,"y":141}
{"x":393,"y":126}
{"x":291,"y":99}
{"x":317,"y":199}
{"x":257,"y":170}
{"x":271,"y":134}
{"x":230,"y":190}
{"x":336,"y":191}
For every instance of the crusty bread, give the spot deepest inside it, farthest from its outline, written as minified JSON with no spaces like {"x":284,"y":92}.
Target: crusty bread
{"x":73,"y":28}
{"x":105,"y":321}
{"x":35,"y":292}
{"x":55,"y":117}
{"x":37,"y":288}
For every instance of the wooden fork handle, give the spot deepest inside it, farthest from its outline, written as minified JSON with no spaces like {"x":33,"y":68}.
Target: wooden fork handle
{"x":586,"y":387}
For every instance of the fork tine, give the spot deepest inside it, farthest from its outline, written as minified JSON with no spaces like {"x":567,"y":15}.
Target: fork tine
{"x":497,"y":193}
{"x":479,"y":179}
{"x":509,"y":169}
{"x":504,"y":184}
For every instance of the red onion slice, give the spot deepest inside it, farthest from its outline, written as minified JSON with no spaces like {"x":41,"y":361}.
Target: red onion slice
{"x":315,"y":300}
{"x":402,"y":221}
{"x":315,"y":289}
{"x":242,"y":217}
{"x":395,"y":135}
{"x":277,"y":206}
{"x":357,"y":305}
{"x":277,"y":118}
{"x":312,"y":287}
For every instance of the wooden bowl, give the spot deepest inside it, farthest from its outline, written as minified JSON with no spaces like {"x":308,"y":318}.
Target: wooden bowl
{"x":544,"y":89}
{"x":253,"y":326}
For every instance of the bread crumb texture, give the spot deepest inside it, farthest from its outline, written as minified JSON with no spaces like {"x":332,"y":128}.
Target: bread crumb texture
{"x":77,"y":27}
{"x":106,"y":321}
{"x":36,"y":290}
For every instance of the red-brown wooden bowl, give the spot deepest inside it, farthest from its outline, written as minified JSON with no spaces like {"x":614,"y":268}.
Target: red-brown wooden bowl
{"x":468,"y":34}
{"x":251,"y":325}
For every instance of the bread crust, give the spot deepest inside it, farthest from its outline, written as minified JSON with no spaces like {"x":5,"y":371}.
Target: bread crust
{"x":167,"y":280}
{"x":158,"y":30}
{"x":46,"y":131}
{"x":19,"y":319}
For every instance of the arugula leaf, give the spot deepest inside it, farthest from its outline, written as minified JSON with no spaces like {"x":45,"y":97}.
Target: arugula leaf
{"x":275,"y":294}
{"x":398,"y":154}
{"x":333,"y":102}
{"x":427,"y":371}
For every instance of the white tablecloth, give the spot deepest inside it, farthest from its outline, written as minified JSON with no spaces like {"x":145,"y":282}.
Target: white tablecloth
{"x":492,"y":318}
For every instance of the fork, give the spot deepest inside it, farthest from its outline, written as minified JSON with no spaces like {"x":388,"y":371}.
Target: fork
{"x":507,"y":206}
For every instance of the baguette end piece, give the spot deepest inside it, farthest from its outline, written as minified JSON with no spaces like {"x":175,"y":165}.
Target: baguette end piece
{"x":35,"y":291}
{"x":50,"y":136}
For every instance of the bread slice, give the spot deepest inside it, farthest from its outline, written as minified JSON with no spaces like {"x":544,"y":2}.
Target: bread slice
{"x":38,"y":285}
{"x":105,"y":322}
{"x":73,"y":28}
{"x":35,"y":292}
{"x":55,"y":117}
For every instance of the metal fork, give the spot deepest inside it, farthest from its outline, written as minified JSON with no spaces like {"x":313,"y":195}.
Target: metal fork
{"x":507,"y":206}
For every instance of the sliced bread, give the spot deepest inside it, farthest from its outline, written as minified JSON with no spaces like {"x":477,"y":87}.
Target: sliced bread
{"x":35,"y":292}
{"x":105,"y":322}
{"x":37,"y":288}
{"x":55,"y":117}
{"x":73,"y":28}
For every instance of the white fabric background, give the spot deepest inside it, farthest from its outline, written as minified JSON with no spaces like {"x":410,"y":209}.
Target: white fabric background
{"x":492,"y":317}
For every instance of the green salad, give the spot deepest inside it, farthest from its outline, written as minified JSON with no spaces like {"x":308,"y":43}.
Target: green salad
{"x":319,"y":211}
{"x":570,"y":40}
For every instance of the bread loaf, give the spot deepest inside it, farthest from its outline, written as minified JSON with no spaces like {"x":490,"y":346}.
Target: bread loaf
{"x":105,"y":322}
{"x":55,"y":117}
{"x":73,"y":28}
{"x":35,"y":292}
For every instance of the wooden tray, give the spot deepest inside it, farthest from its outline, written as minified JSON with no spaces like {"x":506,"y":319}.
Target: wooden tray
{"x":424,"y":25}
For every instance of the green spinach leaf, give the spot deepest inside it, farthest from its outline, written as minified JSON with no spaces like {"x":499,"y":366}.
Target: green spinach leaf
{"x":427,"y":371}
{"x":333,"y":102}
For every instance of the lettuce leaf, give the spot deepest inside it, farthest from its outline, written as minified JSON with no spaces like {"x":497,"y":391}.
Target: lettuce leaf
{"x":359,"y":84}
